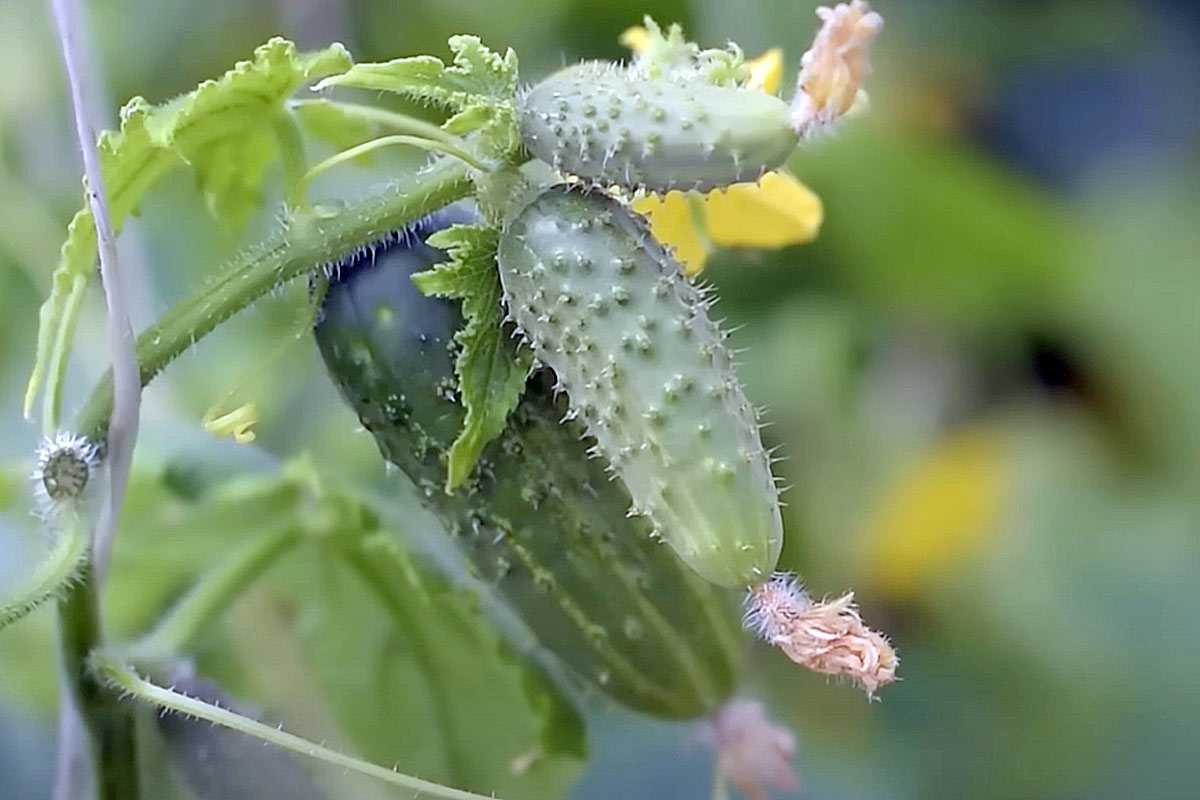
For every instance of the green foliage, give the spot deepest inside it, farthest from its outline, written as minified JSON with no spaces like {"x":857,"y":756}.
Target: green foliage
{"x":420,"y":679}
{"x":491,"y":376}
{"x":478,"y":76}
{"x":224,"y":130}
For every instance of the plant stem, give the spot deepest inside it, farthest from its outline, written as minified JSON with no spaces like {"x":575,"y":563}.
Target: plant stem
{"x":213,"y":594}
{"x":457,"y":150}
{"x":312,"y":241}
{"x":127,"y":388}
{"x":128,"y":681}
{"x":61,"y":565}
{"x":109,"y":724}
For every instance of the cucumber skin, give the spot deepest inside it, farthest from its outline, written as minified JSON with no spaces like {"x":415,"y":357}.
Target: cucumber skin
{"x":603,"y":123}
{"x":539,"y":519}
{"x":629,"y":337}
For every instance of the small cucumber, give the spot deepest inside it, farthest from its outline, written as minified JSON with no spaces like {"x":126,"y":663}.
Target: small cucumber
{"x":539,"y":519}
{"x":630,"y":339}
{"x":608,"y":124}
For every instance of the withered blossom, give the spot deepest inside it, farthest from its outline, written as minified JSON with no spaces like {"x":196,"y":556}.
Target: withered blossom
{"x":833,"y":71}
{"x":827,"y":637}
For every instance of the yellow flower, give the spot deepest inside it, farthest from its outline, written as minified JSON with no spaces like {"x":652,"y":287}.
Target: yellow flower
{"x":775,"y":212}
{"x":938,"y":513}
{"x":238,"y":424}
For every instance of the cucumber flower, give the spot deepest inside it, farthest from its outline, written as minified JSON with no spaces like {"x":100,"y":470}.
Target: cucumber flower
{"x":774,"y":212}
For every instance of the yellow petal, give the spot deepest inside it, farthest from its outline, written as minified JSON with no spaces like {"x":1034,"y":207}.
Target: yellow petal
{"x":636,"y":39}
{"x":765,"y":71}
{"x":775,"y":212}
{"x":673,"y":223}
{"x":939,"y":512}
{"x":238,"y":424}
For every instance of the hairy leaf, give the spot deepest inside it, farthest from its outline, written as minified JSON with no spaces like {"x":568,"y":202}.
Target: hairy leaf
{"x":222,"y":129}
{"x":491,"y":376}
{"x":477,"y":75}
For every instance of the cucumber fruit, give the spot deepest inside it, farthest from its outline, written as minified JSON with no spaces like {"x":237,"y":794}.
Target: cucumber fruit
{"x":538,"y":518}
{"x":630,"y":339}
{"x":608,"y":124}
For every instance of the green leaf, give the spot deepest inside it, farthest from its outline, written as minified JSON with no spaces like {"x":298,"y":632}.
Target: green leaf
{"x":477,"y":75}
{"x":223,"y":130}
{"x":420,"y":679}
{"x":491,"y":376}
{"x":335,"y":124}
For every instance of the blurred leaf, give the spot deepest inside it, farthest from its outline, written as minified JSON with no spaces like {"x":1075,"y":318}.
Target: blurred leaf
{"x":335,"y":123}
{"x":933,"y":231}
{"x":417,"y":678}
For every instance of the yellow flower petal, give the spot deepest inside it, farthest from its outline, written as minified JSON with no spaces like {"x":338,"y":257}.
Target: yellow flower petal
{"x":673,"y":223}
{"x":939,"y":513}
{"x":636,"y":39}
{"x":765,"y":71}
{"x":238,"y":424}
{"x":775,"y":212}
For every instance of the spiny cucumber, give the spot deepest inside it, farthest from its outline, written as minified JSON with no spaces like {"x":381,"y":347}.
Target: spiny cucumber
{"x":612,"y":125}
{"x":538,"y":519}
{"x":649,"y":373}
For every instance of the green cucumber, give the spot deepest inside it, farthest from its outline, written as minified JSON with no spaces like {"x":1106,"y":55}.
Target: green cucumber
{"x":630,"y":339}
{"x":538,"y":519}
{"x":611,"y":125}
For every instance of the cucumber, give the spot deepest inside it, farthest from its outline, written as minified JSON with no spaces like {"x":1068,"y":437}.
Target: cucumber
{"x":538,"y":519}
{"x":610,"y":125}
{"x":630,"y":339}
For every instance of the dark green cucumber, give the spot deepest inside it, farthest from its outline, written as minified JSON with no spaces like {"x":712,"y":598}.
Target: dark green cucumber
{"x":539,"y":519}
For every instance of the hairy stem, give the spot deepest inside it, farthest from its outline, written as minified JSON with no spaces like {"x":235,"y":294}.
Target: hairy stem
{"x":311,"y":241}
{"x":126,"y":680}
{"x":62,"y":565}
{"x":213,"y":594}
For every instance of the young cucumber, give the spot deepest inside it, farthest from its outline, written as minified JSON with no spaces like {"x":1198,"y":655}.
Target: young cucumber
{"x":605,"y":123}
{"x":539,"y":520}
{"x":632,"y":345}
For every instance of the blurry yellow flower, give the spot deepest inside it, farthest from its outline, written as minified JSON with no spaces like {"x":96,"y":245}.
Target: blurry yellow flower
{"x":766,"y":71}
{"x":238,"y":424}
{"x":775,"y":212}
{"x":636,"y":38}
{"x":939,"y":513}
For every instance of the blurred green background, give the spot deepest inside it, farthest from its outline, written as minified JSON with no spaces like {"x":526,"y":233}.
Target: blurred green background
{"x":985,"y":372}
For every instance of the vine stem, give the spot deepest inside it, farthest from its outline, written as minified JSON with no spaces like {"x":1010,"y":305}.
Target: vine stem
{"x":126,"y":680}
{"x":127,"y":387}
{"x":110,"y":732}
{"x":431,"y":145}
{"x":320,"y":237}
